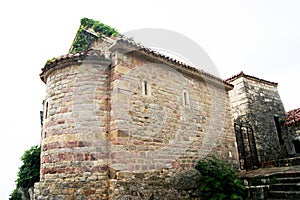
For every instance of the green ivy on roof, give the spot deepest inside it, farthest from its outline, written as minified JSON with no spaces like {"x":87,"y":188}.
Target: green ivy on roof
{"x":83,"y":41}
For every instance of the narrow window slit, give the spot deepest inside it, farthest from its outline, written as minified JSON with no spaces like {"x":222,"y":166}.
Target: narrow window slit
{"x":46,"y":110}
{"x":186,"y":100}
{"x":278,"y":128}
{"x":146,"y":88}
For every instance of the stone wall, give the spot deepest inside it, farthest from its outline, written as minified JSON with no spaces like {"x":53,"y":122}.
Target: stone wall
{"x":124,"y":128}
{"x":160,"y":185}
{"x":74,"y":156}
{"x":157,"y":134}
{"x":293,"y":139}
{"x":255,"y":103}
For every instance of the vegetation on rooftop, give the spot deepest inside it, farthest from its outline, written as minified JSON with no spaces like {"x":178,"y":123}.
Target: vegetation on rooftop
{"x":83,"y":41}
{"x":50,"y":60}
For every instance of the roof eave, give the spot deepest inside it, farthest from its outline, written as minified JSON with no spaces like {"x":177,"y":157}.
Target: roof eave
{"x":130,"y":46}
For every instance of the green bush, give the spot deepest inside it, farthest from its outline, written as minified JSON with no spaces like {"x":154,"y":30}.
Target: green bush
{"x":15,"y":195}
{"x":219,"y":181}
{"x":29,"y":172}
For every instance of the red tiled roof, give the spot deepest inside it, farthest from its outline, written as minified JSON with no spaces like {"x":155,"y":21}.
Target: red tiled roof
{"x":170,"y":60}
{"x":242,"y":74}
{"x":81,"y":55}
{"x":293,"y":117}
{"x":72,"y":56}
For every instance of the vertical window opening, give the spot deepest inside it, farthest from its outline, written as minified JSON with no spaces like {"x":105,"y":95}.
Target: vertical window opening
{"x":186,"y":100}
{"x":146,"y":89}
{"x":46,"y":110}
{"x":278,"y":128}
{"x":297,"y":145}
{"x":42,"y":117}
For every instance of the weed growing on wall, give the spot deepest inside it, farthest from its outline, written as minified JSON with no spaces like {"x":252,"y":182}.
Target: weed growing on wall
{"x":83,"y":41}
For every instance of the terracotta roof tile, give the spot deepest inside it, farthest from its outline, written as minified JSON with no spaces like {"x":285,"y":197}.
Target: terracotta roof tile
{"x":73,"y":56}
{"x":171,"y":60}
{"x":293,"y":117}
{"x":123,"y":39}
{"x":242,"y":74}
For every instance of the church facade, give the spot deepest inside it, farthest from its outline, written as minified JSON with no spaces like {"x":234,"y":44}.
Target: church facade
{"x":121,"y":120}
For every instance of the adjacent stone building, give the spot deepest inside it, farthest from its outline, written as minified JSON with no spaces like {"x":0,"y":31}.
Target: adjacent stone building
{"x":258,"y":113}
{"x":122,"y":121}
{"x":292,"y":129}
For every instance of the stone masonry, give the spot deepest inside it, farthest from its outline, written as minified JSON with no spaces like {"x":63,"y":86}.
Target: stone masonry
{"x":74,"y":158}
{"x":292,"y":130}
{"x":123,"y":123}
{"x":256,"y":103}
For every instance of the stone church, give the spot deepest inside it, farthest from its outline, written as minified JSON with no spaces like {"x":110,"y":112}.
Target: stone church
{"x":121,"y":121}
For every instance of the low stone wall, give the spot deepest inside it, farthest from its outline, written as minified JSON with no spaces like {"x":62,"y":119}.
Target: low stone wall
{"x":73,"y":186}
{"x":162,"y":185}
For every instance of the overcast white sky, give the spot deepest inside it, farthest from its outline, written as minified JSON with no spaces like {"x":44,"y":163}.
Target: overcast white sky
{"x":262,"y":38}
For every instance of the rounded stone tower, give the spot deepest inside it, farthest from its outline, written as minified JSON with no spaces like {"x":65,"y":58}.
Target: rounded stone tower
{"x":74,"y":155}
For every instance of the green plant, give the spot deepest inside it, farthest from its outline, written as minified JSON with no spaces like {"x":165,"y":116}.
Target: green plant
{"x":83,"y":41}
{"x":273,"y":180}
{"x":50,"y":60}
{"x":15,"y":195}
{"x":282,"y":121}
{"x":28,"y":173}
{"x":219,"y":181}
{"x":86,"y":22}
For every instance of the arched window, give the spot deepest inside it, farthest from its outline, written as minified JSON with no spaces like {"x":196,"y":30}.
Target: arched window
{"x":185,"y":98}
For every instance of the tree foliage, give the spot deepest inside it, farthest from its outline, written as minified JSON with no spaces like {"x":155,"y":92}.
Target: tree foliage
{"x":219,"y":181}
{"x":29,"y":172}
{"x":15,"y":195}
